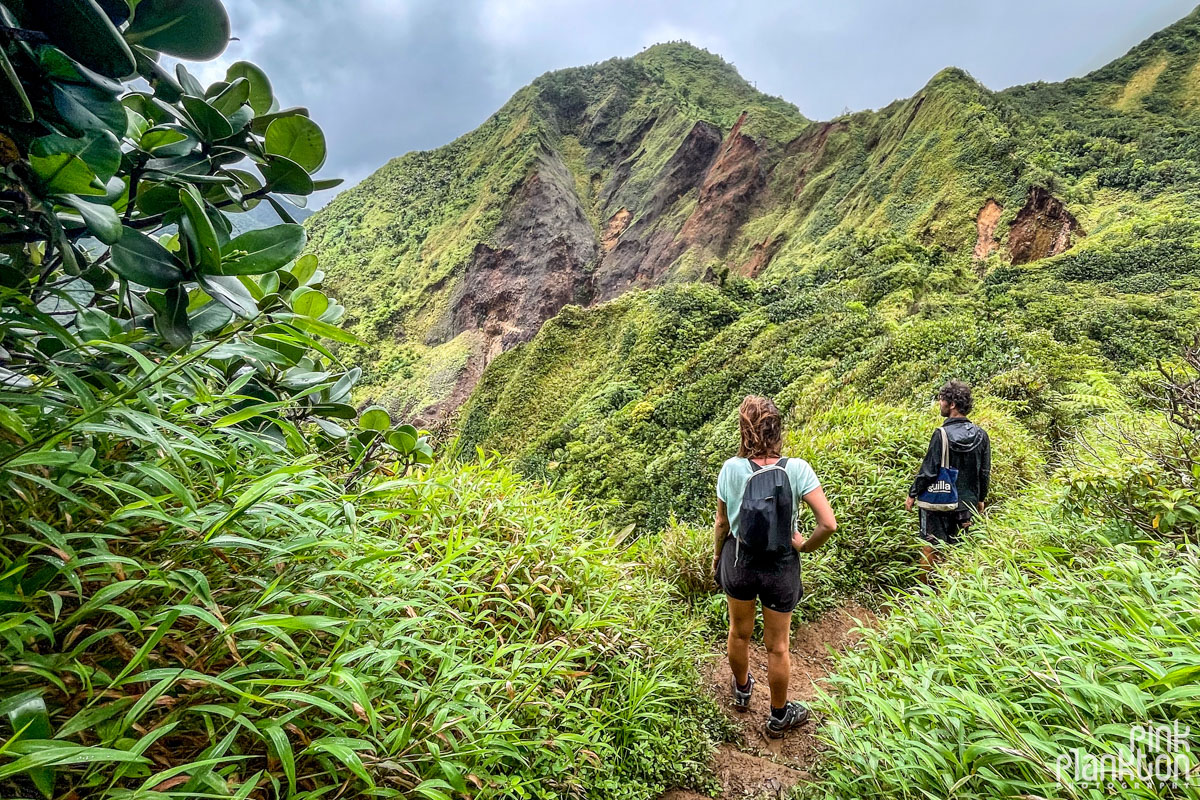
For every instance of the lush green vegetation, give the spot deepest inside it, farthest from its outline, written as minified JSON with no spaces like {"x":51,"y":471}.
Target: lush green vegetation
{"x":1118,"y":147}
{"x":217,"y":577}
{"x":1058,"y":630}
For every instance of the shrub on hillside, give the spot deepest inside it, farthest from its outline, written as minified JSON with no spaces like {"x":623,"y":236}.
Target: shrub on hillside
{"x":1143,"y":472}
{"x":458,"y":632}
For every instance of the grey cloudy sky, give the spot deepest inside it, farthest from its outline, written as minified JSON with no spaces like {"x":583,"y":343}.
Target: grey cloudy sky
{"x":383,"y":77}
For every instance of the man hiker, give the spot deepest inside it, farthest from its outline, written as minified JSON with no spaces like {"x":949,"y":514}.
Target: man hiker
{"x":963,"y":446}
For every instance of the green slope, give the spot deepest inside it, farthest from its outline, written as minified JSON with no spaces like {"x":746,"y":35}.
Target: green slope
{"x":562,"y":156}
{"x":879,"y":290}
{"x":668,"y":167}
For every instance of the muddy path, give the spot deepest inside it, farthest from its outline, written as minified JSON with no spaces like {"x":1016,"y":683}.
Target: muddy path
{"x":754,"y":765}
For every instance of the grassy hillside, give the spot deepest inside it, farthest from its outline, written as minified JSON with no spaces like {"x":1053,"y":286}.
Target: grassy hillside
{"x":1046,"y":645}
{"x":591,"y":140}
{"x":636,"y":399}
{"x":668,"y":167}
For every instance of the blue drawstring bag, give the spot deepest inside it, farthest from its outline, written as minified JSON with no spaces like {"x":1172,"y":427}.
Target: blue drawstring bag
{"x":942,"y":494}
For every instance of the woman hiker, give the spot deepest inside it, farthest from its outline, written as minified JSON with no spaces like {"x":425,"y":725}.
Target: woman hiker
{"x":757,"y":552}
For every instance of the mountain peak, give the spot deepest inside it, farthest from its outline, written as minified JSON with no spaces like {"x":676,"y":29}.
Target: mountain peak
{"x":680,"y":49}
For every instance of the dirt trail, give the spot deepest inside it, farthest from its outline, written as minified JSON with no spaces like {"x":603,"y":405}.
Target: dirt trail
{"x":757,"y":766}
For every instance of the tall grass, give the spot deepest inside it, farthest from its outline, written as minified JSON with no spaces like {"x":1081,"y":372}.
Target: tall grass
{"x":1043,"y":637}
{"x":188,"y":612}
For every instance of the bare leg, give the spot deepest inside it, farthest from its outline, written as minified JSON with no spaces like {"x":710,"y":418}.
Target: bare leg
{"x":741,"y":628}
{"x":777,"y":634}
{"x":928,"y":561}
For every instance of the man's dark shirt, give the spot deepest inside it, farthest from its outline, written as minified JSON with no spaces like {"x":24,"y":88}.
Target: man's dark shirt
{"x":970,"y":454}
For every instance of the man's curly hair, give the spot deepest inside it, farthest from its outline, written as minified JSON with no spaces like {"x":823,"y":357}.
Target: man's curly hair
{"x":958,"y":394}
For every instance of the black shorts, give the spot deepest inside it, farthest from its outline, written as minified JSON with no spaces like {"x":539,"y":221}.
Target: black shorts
{"x":944,"y":527}
{"x":776,"y":583}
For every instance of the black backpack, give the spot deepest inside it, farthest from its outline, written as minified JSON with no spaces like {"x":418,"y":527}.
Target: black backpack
{"x":765,"y":518}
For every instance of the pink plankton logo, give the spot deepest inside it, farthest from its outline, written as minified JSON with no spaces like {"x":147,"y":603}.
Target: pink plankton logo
{"x":1156,"y":755}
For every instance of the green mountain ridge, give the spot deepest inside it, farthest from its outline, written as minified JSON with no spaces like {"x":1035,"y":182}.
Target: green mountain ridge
{"x":669,"y":168}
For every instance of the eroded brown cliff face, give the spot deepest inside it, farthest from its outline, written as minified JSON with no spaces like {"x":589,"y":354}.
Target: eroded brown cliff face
{"x":732,"y":184}
{"x":535,"y":264}
{"x":642,"y":251}
{"x":546,"y":253}
{"x":1042,"y":228}
{"x":761,"y":255}
{"x":985,"y":229}
{"x":550,"y":249}
{"x":726,"y":173}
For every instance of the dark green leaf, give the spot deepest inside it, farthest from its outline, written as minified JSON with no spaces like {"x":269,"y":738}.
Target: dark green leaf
{"x":79,"y":165}
{"x":326,"y":183}
{"x":239,"y":119}
{"x":84,"y":32}
{"x":161,"y":81}
{"x":335,"y":410}
{"x":230,"y":292}
{"x":140,"y":259}
{"x":12,"y":93}
{"x":210,"y":317}
{"x":157,"y":198}
{"x":86,"y":108}
{"x":193,"y":29}
{"x":260,"y":85}
{"x":145,"y":105}
{"x":262,"y":250}
{"x":194,"y":165}
{"x":299,"y":139}
{"x":331,"y":429}
{"x":170,"y":316}
{"x":286,"y":176}
{"x":208,"y":255}
{"x":209,"y":123}
{"x":281,"y":210}
{"x":187,"y":82}
{"x":342,"y":388}
{"x":278,"y":339}
{"x":101,"y":220}
{"x":233,"y":97}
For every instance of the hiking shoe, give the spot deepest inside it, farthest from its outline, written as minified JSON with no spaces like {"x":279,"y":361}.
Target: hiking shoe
{"x":794,"y":715}
{"x":741,"y":700}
